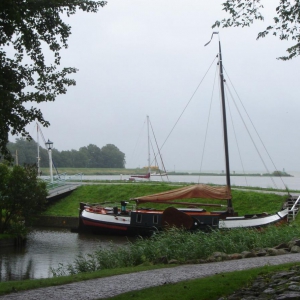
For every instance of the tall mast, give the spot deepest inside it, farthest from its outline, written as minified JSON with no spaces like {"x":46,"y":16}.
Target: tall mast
{"x":149,"y":167}
{"x":229,"y":202}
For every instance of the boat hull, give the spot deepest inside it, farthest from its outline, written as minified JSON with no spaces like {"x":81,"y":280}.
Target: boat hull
{"x":145,"y":222}
{"x":114,"y":224}
{"x":253,"y":221}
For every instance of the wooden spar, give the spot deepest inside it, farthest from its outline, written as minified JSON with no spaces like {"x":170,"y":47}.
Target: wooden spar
{"x":229,"y":202}
{"x":183,"y":203}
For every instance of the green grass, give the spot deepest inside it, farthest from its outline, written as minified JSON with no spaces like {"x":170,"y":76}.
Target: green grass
{"x":208,"y":288}
{"x":244,"y":202}
{"x":100,"y":193}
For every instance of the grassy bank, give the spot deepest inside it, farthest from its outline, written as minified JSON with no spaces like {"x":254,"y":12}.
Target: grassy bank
{"x":244,"y":202}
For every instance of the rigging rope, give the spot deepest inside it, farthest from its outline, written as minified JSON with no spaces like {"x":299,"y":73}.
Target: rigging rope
{"x":236,"y":140}
{"x":188,"y":103}
{"x":255,"y":129}
{"x":207,"y":123}
{"x":158,"y":152}
{"x":251,"y":135}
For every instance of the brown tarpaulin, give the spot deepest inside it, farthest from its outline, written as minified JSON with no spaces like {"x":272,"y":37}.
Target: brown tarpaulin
{"x":192,"y":191}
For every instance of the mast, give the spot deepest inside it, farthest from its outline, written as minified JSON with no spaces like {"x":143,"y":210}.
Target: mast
{"x":149,"y":167}
{"x":229,"y":202}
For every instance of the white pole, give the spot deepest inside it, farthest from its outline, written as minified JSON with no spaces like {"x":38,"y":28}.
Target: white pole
{"x":149,"y":167}
{"x":50,"y":165}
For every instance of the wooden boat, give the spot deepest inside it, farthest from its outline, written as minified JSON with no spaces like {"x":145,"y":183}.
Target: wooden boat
{"x":135,"y":220}
{"x":130,"y":219}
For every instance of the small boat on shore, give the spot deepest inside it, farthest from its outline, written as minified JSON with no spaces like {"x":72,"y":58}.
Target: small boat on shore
{"x":124,"y":218}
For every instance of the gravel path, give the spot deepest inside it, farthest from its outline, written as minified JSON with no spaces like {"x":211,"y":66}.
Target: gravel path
{"x":114,"y":285}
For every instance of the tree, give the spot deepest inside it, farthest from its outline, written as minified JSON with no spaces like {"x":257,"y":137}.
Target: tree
{"x":26,"y":27}
{"x":90,"y":156}
{"x":286,"y":22}
{"x":22,"y":195}
{"x":112,"y":157}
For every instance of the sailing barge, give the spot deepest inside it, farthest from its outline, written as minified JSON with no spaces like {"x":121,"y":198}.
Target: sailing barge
{"x":132,"y":220}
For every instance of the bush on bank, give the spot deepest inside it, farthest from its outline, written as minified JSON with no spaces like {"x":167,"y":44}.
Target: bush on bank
{"x":179,"y":245}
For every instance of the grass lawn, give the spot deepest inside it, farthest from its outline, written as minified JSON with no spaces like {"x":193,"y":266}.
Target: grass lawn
{"x":244,"y":202}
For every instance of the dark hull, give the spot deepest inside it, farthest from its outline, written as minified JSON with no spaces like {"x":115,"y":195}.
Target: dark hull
{"x":145,"y":222}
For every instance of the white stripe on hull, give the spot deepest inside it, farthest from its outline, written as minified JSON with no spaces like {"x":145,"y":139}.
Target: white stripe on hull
{"x":113,"y":219}
{"x":252,"y":222}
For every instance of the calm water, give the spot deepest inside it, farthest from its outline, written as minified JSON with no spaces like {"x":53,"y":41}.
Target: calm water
{"x":47,"y":248}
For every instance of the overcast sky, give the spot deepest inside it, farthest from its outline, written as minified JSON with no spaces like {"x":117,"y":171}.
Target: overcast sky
{"x":139,"y":58}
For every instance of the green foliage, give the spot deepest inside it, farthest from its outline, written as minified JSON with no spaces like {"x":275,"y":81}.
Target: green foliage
{"x":180,"y":245}
{"x":286,"y":22}
{"x":112,"y":157}
{"x":279,"y":174}
{"x":26,"y":27}
{"x":22,"y":196}
{"x":92,"y":156}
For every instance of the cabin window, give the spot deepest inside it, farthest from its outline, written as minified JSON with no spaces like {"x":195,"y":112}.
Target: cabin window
{"x":155,"y":219}
{"x":139,"y":218}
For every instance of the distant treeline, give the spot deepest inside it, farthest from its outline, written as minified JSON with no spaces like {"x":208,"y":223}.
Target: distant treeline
{"x":91,"y":156}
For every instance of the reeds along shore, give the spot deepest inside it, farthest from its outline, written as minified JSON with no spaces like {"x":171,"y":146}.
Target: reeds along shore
{"x":180,"y":246}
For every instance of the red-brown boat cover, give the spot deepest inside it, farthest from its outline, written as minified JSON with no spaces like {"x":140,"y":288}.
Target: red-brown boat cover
{"x":192,"y":191}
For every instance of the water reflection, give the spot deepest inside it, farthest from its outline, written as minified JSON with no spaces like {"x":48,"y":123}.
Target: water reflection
{"x":47,"y":248}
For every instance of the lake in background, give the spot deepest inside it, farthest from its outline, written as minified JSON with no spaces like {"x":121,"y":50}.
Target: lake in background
{"x":293,"y":183}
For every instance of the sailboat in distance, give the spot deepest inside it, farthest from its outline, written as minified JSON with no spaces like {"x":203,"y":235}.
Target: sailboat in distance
{"x":149,"y":167}
{"x":126,"y":219}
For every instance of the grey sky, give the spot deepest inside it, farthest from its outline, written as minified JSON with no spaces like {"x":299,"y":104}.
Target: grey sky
{"x":138,"y":58}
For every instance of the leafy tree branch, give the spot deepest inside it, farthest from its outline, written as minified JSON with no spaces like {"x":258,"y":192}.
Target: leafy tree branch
{"x":286,"y":24}
{"x":26,"y":28}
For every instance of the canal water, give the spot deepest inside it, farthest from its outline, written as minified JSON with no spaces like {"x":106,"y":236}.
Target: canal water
{"x":47,"y":248}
